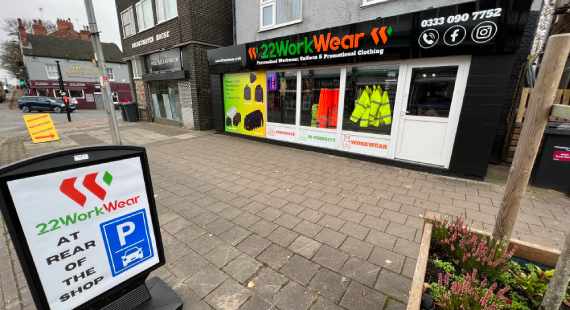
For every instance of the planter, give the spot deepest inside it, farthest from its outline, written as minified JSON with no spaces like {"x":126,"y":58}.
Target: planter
{"x":524,"y":250}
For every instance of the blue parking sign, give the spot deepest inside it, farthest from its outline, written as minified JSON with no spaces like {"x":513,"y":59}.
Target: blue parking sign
{"x":127,"y":241}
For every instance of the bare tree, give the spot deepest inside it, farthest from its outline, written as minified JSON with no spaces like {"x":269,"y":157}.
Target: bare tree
{"x":11,"y":56}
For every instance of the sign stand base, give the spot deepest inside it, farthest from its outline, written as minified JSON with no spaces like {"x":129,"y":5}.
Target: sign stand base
{"x":155,"y":294}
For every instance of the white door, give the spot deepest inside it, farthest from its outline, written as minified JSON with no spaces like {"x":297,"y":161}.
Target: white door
{"x":430,"y":110}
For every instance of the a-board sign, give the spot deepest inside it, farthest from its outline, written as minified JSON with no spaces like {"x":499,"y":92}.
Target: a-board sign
{"x":84,"y":224}
{"x":41,"y":128}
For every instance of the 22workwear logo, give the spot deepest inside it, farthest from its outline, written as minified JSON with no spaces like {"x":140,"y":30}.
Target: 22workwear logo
{"x":311,"y":44}
{"x":68,"y":188}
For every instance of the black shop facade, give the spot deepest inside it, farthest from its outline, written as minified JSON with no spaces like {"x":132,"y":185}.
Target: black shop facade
{"x":426,"y":89}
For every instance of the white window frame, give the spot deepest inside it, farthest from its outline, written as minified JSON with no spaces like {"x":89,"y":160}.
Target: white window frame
{"x":55,"y":75}
{"x":273,"y":3}
{"x":136,"y":64}
{"x":132,"y":23}
{"x":110,"y":76}
{"x":366,"y":3}
{"x":139,"y":4}
{"x":156,"y":7}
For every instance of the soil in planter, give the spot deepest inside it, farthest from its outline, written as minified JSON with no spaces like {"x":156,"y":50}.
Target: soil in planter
{"x":470,"y":271}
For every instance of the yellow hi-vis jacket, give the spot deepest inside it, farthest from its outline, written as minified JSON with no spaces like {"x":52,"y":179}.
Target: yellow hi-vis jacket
{"x":385,"y":112}
{"x":361,"y":108}
{"x":375,"y":104}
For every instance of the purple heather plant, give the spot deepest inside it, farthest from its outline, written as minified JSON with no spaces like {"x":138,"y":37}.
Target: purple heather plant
{"x":471,"y":251}
{"x":468,"y":293}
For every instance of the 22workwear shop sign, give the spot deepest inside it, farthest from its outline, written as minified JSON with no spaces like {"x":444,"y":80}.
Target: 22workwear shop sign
{"x":358,"y":40}
{"x":470,"y":28}
{"x":88,"y":229}
{"x":244,"y":103}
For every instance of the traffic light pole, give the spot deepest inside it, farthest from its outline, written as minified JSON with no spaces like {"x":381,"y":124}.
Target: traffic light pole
{"x":62,"y":91}
{"x":104,"y":79}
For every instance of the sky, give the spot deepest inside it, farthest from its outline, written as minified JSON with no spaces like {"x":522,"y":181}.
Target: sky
{"x":105,"y":13}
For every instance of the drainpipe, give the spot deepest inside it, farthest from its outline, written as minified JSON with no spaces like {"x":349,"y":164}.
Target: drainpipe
{"x":234,"y":22}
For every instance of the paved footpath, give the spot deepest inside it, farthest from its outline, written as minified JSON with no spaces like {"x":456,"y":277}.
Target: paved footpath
{"x":250,"y":225}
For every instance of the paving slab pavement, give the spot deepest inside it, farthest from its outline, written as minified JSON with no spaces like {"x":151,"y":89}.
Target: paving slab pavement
{"x":251,"y":225}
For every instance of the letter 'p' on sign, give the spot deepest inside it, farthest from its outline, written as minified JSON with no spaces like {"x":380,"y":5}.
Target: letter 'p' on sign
{"x":127,"y":241}
{"x":124,"y":230}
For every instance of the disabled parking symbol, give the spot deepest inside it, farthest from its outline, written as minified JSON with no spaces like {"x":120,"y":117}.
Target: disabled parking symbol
{"x":127,"y":241}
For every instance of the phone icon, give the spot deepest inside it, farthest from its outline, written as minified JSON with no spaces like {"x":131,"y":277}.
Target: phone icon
{"x":428,"y":38}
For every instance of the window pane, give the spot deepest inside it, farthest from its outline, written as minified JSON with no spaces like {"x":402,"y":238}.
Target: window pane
{"x":43,"y":92}
{"x":160,"y":10}
{"x":431,"y":91}
{"x":148,"y":16}
{"x":282,"y":97}
{"x":140,"y":16}
{"x":319,"y":101}
{"x":76,"y":93}
{"x":288,"y":10}
{"x":267,"y":17}
{"x":171,"y":9}
{"x":369,"y":99}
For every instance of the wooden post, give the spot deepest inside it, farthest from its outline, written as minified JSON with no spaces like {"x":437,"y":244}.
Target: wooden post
{"x":539,"y":107}
{"x":556,"y":292}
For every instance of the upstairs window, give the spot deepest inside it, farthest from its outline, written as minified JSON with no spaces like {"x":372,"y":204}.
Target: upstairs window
{"x":51,"y":71}
{"x":128,"y":22}
{"x":145,"y":17}
{"x":279,"y":13}
{"x":165,"y":10}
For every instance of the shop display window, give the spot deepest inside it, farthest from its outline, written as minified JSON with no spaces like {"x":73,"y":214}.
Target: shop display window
{"x":431,"y":91}
{"x":319,"y":101}
{"x":282,"y":97}
{"x":44,"y":92}
{"x":369,"y":99}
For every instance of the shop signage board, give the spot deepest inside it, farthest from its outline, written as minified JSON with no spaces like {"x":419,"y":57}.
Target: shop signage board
{"x":282,"y":132}
{"x":359,"y":143}
{"x":472,"y":29}
{"x":41,"y":128}
{"x":318,"y":138}
{"x":167,"y":61}
{"x":561,"y":154}
{"x":84,"y":224}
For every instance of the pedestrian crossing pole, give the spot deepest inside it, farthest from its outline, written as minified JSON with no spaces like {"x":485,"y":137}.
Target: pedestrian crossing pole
{"x":103,"y":78}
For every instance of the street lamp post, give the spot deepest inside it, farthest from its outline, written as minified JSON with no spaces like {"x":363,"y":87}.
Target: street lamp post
{"x":104,"y":79}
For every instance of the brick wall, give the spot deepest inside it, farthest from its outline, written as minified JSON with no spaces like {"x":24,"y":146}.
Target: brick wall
{"x":140,"y":94}
{"x":185,"y":99}
{"x":196,"y":58}
{"x":208,"y":21}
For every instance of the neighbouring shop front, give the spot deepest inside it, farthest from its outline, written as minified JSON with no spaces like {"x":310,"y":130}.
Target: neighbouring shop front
{"x":85,"y":94}
{"x":164,"y":72}
{"x":427,"y":88}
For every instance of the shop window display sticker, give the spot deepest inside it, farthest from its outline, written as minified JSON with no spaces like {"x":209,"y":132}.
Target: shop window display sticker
{"x":244,"y":103}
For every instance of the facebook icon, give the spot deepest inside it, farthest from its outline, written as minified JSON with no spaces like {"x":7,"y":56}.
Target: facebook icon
{"x":454,"y":35}
{"x":127,"y":241}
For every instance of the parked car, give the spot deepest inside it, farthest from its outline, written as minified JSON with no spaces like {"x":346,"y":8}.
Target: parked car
{"x":40,"y":103}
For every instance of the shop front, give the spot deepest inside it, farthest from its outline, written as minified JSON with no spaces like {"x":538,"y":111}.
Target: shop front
{"x":425,"y":88}
{"x":164,"y":72}
{"x":82,"y":93}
